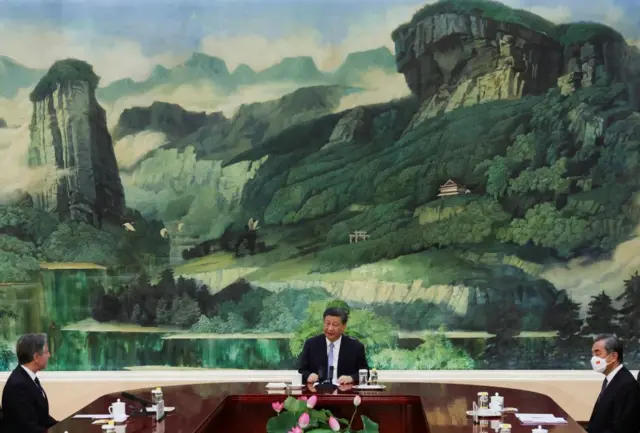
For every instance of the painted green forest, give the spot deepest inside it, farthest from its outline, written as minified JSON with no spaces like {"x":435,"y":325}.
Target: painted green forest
{"x":470,"y":193}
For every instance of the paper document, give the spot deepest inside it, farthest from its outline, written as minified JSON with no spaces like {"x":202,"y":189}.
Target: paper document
{"x":93,"y":416}
{"x":540,"y":418}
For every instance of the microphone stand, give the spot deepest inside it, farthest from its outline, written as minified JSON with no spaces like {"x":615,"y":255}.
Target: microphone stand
{"x":327,"y":384}
{"x":143,"y":404}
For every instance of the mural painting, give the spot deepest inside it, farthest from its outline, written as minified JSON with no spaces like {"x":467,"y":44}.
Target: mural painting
{"x":190,"y":186}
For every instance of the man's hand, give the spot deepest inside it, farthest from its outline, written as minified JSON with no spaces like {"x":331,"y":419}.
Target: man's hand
{"x":344,"y":380}
{"x":346,"y":387}
{"x":313,"y":378}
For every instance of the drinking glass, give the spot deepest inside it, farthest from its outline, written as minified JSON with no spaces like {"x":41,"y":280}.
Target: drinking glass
{"x":373,"y":377}
{"x":156,"y":395}
{"x":363,"y":376}
{"x":483,"y":400}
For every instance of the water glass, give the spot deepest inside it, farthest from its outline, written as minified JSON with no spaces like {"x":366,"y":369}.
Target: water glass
{"x":373,"y":377}
{"x":156,"y":395}
{"x":483,"y":400}
{"x":363,"y":376}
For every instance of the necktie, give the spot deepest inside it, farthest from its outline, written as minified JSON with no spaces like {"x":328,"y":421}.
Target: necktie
{"x":37,"y":381}
{"x":330,"y":360}
{"x":604,"y":385}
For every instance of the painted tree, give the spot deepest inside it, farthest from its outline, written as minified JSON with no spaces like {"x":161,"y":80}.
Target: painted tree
{"x":629,"y":316}
{"x":7,"y":357}
{"x":601,"y":316}
{"x":564,"y":317}
{"x":504,"y":320}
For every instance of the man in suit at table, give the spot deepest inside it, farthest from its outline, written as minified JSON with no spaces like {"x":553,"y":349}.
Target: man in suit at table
{"x":332,"y":349}
{"x":24,"y":403}
{"x":617,"y":409}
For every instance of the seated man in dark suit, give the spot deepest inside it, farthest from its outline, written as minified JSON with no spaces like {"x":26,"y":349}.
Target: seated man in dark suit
{"x":331,"y":349}
{"x":617,"y":409}
{"x":24,"y":403}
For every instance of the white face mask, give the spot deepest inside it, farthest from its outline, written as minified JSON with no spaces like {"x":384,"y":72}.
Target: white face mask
{"x":598,"y":364}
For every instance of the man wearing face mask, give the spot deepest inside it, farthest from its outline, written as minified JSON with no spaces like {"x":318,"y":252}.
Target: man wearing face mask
{"x":617,"y":409}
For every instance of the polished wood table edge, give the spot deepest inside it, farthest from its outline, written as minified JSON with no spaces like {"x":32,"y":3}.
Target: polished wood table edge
{"x":204,"y":401}
{"x":262,"y":394}
{"x":345,"y":397}
{"x":389,"y":386}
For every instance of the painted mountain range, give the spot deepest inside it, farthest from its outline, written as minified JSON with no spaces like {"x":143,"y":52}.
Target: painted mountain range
{"x":203,"y":68}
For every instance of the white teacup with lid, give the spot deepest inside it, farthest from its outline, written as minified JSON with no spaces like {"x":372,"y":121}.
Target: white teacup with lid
{"x":118,"y":411}
{"x":540,"y":430}
{"x":497,"y":402}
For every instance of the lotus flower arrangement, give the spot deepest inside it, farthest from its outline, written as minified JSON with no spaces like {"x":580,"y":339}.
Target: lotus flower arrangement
{"x":300,"y":416}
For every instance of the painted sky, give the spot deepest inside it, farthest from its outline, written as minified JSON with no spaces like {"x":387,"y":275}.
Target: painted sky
{"x":127,"y":38}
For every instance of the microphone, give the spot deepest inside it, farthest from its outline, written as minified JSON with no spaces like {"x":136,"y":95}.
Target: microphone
{"x":326,"y":383}
{"x":143,"y":403}
{"x":136,"y":398}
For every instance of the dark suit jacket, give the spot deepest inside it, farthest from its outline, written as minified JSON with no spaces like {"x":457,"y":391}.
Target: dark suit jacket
{"x":314,"y":359}
{"x":618,"y":408}
{"x":25,"y":408}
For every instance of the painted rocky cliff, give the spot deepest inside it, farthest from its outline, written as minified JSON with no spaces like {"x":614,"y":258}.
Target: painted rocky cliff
{"x":69,"y":135}
{"x":539,"y":123}
{"x":456,"y":54}
{"x":493,"y":110}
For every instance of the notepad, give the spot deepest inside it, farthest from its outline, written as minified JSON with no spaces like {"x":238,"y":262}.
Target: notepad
{"x":540,"y":418}
{"x":93,"y":416}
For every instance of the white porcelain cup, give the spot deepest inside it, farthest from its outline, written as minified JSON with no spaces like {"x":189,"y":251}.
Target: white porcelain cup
{"x":118,"y":411}
{"x":296,"y":379}
{"x":497,"y":402}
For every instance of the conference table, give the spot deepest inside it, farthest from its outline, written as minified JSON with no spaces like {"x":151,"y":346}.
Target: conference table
{"x":246,"y":407}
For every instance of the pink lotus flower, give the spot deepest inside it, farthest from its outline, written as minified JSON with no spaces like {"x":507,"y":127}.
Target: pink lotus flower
{"x":277,"y":406}
{"x":304,"y":420}
{"x":357,"y":400}
{"x":296,"y":429}
{"x":303,"y":398}
{"x":312,"y":401}
{"x":334,"y":424}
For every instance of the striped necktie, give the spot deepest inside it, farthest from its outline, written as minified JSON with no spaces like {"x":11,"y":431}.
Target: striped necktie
{"x":330,"y":361}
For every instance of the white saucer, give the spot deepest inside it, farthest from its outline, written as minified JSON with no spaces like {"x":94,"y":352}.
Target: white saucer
{"x":370,"y":387}
{"x":106,"y":426}
{"x":166,"y":408}
{"x":485,"y":413}
{"x":276,"y":385}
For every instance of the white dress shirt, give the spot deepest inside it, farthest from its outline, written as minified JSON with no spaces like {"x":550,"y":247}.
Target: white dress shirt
{"x":613,"y":373}
{"x":32,"y":375}
{"x":336,"y":354}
